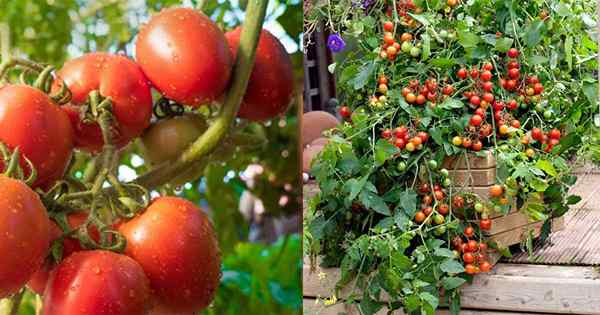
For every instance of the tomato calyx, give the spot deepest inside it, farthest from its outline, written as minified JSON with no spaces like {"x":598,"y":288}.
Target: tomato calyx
{"x":165,"y":108}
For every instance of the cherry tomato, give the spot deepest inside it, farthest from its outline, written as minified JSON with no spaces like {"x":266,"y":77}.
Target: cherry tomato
{"x":488,"y":97}
{"x":462,"y":73}
{"x":114,"y":76}
{"x":496,"y":191}
{"x":475,"y":100}
{"x":477,"y":145}
{"x":420,"y":217}
{"x":443,"y":209}
{"x":503,"y":129}
{"x":485,"y":266}
{"x":485,"y":224}
{"x":512,"y":105}
{"x":513,"y":53}
{"x":427,"y":210}
{"x":185,"y":56}
{"x":345,"y":112}
{"x":411,"y":98}
{"x":424,"y":136}
{"x":388,"y":38}
{"x":166,"y":139}
{"x":427,"y":200}
{"x":386,"y":134}
{"x":424,"y":188}
{"x":516,"y":124}
{"x":487,"y":66}
{"x":399,"y":143}
{"x":474,"y":73}
{"x":438,"y":195}
{"x":512,"y":64}
{"x":469,"y":231}
{"x":475,"y":120}
{"x":401,"y":131}
{"x":271,"y":85}
{"x":25,"y":235}
{"x":487,"y":86}
{"x":457,"y":141}
{"x":468,"y":258}
{"x":467,"y":143}
{"x":416,"y":141}
{"x":470,"y":269}
{"x":486,"y":76}
{"x":448,"y":90}
{"x":388,"y":26}
{"x":538,"y":88}
{"x":554,"y":134}
{"x":472,"y":245}
{"x":514,"y":73}
{"x":97,"y":283}
{"x":406,"y":37}
{"x":483,"y":247}
{"x":41,"y":130}
{"x":421,"y":99}
{"x":511,"y":85}
{"x":175,"y":244}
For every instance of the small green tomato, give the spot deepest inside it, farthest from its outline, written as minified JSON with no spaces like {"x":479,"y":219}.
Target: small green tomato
{"x":478,"y":207}
{"x":401,"y":166}
{"x":445,"y":172}
{"x":433,"y":164}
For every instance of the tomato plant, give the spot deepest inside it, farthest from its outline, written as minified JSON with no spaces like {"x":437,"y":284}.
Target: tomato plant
{"x":476,"y":76}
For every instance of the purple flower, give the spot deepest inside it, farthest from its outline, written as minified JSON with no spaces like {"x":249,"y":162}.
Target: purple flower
{"x":336,"y":43}
{"x":363,"y":4}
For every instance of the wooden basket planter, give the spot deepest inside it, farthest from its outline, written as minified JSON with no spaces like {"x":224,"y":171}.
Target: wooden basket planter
{"x":476,"y":174}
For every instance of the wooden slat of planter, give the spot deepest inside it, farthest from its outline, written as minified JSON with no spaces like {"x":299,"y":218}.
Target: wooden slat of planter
{"x":509,"y":287}
{"x":483,"y":177}
{"x":509,"y":222}
{"x":475,"y":162}
{"x":514,"y":236}
{"x":311,"y":307}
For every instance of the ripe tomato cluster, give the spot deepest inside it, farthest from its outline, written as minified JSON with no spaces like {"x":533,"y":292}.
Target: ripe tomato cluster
{"x":390,"y":48}
{"x":404,"y":8}
{"x":405,"y":138}
{"x":546,"y":140}
{"x":416,"y":94}
{"x":163,"y":257}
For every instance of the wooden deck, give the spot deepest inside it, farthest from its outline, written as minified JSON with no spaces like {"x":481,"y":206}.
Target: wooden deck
{"x":523,"y":285}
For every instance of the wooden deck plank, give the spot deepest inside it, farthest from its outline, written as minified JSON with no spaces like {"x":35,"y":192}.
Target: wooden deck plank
{"x":509,"y":287}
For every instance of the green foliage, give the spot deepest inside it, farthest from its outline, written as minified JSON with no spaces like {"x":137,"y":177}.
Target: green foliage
{"x":364,"y":219}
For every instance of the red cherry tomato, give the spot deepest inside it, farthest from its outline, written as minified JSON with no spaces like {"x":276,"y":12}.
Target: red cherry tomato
{"x":399,"y":143}
{"x":116,"y":77}
{"x":538,"y":88}
{"x":185,"y":56}
{"x":470,"y":269}
{"x":537,"y":134}
{"x":345,"y":112}
{"x":475,"y":100}
{"x":97,"y":283}
{"x":474,"y":73}
{"x":513,"y":53}
{"x":423,"y":135}
{"x":472,"y":245}
{"x":462,"y":73}
{"x":514,"y":73}
{"x":555,"y":134}
{"x":477,"y":145}
{"x":486,"y":75}
{"x":271,"y":85}
{"x":487,"y":66}
{"x":468,"y":258}
{"x":488,"y":97}
{"x":476,"y":120}
{"x":24,"y":239}
{"x":388,"y":26}
{"x":487,"y":86}
{"x":485,"y":224}
{"x":41,"y":130}
{"x":469,"y":231}
{"x":175,"y":244}
{"x":512,"y":105}
{"x":448,"y":90}
{"x":485,"y":266}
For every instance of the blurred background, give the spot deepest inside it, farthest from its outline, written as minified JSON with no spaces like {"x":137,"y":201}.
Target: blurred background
{"x":252,"y":194}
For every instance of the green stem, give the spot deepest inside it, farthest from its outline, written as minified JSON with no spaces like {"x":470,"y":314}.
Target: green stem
{"x":12,"y":62}
{"x":16,"y":302}
{"x":255,"y":15}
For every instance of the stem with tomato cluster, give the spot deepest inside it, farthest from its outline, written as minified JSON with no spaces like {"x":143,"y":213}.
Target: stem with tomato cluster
{"x":207,"y":142}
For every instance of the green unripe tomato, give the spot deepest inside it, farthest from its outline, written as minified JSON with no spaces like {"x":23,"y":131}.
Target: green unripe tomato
{"x":444,"y":34}
{"x":440,"y":230}
{"x":447,"y":182}
{"x":445,"y":172}
{"x":523,"y":105}
{"x":401,"y":166}
{"x":452,"y":35}
{"x":539,"y":108}
{"x":478,"y":207}
{"x":433,"y":164}
{"x":415,"y":52}
{"x":548,"y":114}
{"x":406,"y":47}
{"x":411,"y":234}
{"x":439,"y":219}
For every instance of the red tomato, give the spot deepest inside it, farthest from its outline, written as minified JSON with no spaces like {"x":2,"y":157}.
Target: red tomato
{"x":513,"y":53}
{"x":488,"y":97}
{"x":31,"y":121}
{"x":399,"y":143}
{"x":487,"y":86}
{"x":477,"y":145}
{"x":514,"y":73}
{"x":448,"y":90}
{"x":512,"y":104}
{"x":38,"y":281}
{"x":485,"y":224}
{"x":474,"y":73}
{"x":345,"y":112}
{"x":401,"y":131}
{"x":24,"y":239}
{"x":476,"y":120}
{"x":554,"y":134}
{"x":185,"y":56}
{"x":468,"y":258}
{"x":487,"y":66}
{"x":472,"y":245}
{"x":462,"y":73}
{"x":97,"y":283}
{"x":271,"y":85}
{"x":117,"y":77}
{"x":469,"y":231}
{"x":486,"y":75}
{"x":175,"y":244}
{"x":475,"y":100}
{"x":423,"y":135}
{"x":388,"y":26}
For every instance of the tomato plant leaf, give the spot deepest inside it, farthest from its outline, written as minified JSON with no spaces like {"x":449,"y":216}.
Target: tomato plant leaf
{"x":384,"y":151}
{"x":569,"y":51}
{"x":547,"y":167}
{"x":443,"y":252}
{"x":432,"y":300}
{"x":503,"y":44}
{"x":450,"y":283}
{"x":373,"y":201}
{"x":408,"y":202}
{"x":533,"y":34}
{"x":452,"y":103}
{"x":468,"y":40}
{"x":426,"y":40}
{"x":363,"y":75}
{"x":451,"y":266}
